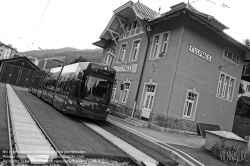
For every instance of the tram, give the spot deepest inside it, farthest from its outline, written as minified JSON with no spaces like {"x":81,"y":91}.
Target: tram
{"x":83,"y":89}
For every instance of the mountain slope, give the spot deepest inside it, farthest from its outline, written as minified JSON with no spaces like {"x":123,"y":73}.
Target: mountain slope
{"x":70,"y":54}
{"x":48,"y":52}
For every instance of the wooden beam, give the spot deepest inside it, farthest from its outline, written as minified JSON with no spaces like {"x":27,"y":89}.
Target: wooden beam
{"x":120,"y":23}
{"x":113,"y":37}
{"x":121,"y":18}
{"x":113,"y":32}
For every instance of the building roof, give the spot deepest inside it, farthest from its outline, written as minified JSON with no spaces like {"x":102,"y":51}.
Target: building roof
{"x":145,"y":11}
{"x":209,"y":21}
{"x":9,"y":45}
{"x":129,"y":11}
{"x":21,"y":61}
{"x":99,"y":43}
{"x":124,"y":14}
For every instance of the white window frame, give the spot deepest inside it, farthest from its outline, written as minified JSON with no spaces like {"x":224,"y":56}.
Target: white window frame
{"x":133,"y":49}
{"x":164,"y":43}
{"x":114,"y":91}
{"x":160,"y":47}
{"x":107,"y":58}
{"x":194,"y":105}
{"x":145,"y":90}
{"x":225,"y":87}
{"x":122,"y":96}
{"x":248,"y":88}
{"x":154,"y":49}
{"x":118,"y":58}
{"x":233,"y":54}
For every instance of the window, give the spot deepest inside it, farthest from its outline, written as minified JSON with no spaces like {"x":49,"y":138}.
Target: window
{"x":114,"y":91}
{"x":97,"y":89}
{"x":225,"y":87}
{"x":160,"y":45}
{"x":248,"y":88}
{"x":231,"y":56}
{"x":125,"y":92}
{"x":155,"y":46}
{"x":108,"y":58}
{"x":122,"y":52}
{"x":165,"y":45}
{"x":135,"y":50}
{"x":190,"y":105}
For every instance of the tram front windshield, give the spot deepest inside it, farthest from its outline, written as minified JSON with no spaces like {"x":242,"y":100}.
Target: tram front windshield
{"x":97,"y":89}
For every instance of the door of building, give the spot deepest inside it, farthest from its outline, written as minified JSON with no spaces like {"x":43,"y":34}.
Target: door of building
{"x":148,"y":101}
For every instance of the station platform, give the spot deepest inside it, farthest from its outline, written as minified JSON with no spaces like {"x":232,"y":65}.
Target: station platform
{"x":182,"y":148}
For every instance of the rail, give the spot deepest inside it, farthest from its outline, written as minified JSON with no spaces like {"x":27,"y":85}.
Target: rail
{"x":14,"y":156}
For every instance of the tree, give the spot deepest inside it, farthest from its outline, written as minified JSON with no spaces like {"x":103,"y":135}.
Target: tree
{"x":246,"y":42}
{"x":243,"y":106}
{"x":79,"y":59}
{"x":241,"y":89}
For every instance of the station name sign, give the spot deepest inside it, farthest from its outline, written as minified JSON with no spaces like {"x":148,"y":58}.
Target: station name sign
{"x":126,"y":68}
{"x":200,"y":53}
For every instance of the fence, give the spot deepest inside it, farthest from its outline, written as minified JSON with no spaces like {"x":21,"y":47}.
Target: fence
{"x":16,"y":75}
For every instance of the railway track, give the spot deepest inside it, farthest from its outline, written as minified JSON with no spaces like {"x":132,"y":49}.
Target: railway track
{"x":29,"y":144}
{"x":67,"y":123}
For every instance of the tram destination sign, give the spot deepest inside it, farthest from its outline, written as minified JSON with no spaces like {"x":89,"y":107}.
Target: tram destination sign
{"x":200,"y":53}
{"x":105,"y":73}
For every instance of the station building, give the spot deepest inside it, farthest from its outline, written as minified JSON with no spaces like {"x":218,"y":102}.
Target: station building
{"x":178,"y":65}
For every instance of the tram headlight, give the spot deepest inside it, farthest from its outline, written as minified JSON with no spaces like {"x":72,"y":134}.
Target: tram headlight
{"x":81,"y":103}
{"x":107,"y":110}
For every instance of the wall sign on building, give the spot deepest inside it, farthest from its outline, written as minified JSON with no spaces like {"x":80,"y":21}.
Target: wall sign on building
{"x":200,"y":53}
{"x":126,"y":68}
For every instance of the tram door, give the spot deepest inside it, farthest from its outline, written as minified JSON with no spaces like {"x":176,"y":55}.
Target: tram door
{"x":148,"y":101}
{"x":70,"y":100}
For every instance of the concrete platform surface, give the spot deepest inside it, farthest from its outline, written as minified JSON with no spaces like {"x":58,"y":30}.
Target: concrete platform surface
{"x":134,"y":153}
{"x":184,"y":149}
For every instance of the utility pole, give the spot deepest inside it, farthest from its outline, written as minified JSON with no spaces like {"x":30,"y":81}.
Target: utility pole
{"x":52,"y":58}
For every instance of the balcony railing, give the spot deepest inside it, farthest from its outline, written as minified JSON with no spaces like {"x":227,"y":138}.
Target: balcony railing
{"x":131,"y":33}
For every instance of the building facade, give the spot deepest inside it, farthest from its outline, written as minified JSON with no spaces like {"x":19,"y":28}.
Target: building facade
{"x":7,"y":51}
{"x":179,"y":65}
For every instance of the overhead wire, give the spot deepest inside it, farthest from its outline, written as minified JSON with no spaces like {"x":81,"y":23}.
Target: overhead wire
{"x":39,"y":22}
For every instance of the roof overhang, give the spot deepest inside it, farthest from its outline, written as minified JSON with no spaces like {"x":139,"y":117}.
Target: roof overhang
{"x":118,"y":21}
{"x":124,"y":15}
{"x":99,"y":43}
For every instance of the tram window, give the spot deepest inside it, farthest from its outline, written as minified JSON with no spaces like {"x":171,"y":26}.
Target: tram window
{"x":98,"y":89}
{"x":77,"y":88}
{"x":65,"y":85}
{"x":82,"y":89}
{"x":72,"y":87}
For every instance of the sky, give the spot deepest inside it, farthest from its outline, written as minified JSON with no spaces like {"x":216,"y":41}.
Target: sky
{"x":79,"y":23}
